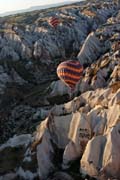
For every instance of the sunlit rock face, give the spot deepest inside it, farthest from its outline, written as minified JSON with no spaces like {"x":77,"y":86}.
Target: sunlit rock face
{"x":55,"y":133}
{"x":86,"y":133}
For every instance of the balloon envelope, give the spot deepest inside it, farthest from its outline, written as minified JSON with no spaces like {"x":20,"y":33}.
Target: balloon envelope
{"x":54,"y":21}
{"x":70,"y":72}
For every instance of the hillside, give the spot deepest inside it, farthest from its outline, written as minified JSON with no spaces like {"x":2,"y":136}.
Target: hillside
{"x":57,"y":137}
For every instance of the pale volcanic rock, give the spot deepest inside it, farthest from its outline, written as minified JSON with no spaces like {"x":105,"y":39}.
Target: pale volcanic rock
{"x":84,"y":126}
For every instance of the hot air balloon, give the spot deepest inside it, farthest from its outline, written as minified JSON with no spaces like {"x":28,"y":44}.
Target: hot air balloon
{"x":70,"y":72}
{"x":54,"y":21}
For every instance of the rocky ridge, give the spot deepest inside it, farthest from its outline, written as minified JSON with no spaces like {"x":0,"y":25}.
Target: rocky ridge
{"x":90,"y":122}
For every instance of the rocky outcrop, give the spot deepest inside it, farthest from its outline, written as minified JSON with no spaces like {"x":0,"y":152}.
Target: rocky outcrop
{"x":24,"y":41}
{"x":94,"y":121}
{"x":91,"y":50}
{"x":9,"y":77}
{"x":88,"y":128}
{"x":76,"y":135}
{"x":15,"y":161}
{"x":38,"y":48}
{"x":108,"y":145}
{"x":105,"y":70}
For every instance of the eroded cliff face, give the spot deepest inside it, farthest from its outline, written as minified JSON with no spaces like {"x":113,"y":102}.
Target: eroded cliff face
{"x":28,"y":41}
{"x":77,"y":136}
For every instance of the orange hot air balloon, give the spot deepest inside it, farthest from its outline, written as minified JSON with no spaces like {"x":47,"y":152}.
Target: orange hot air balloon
{"x":70,"y":72}
{"x":54,"y":21}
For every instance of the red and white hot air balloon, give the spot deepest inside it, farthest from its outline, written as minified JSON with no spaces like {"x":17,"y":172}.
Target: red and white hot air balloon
{"x":70,"y":72}
{"x":54,"y":21}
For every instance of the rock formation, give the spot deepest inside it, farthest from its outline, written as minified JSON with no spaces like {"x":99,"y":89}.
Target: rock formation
{"x":77,"y":138}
